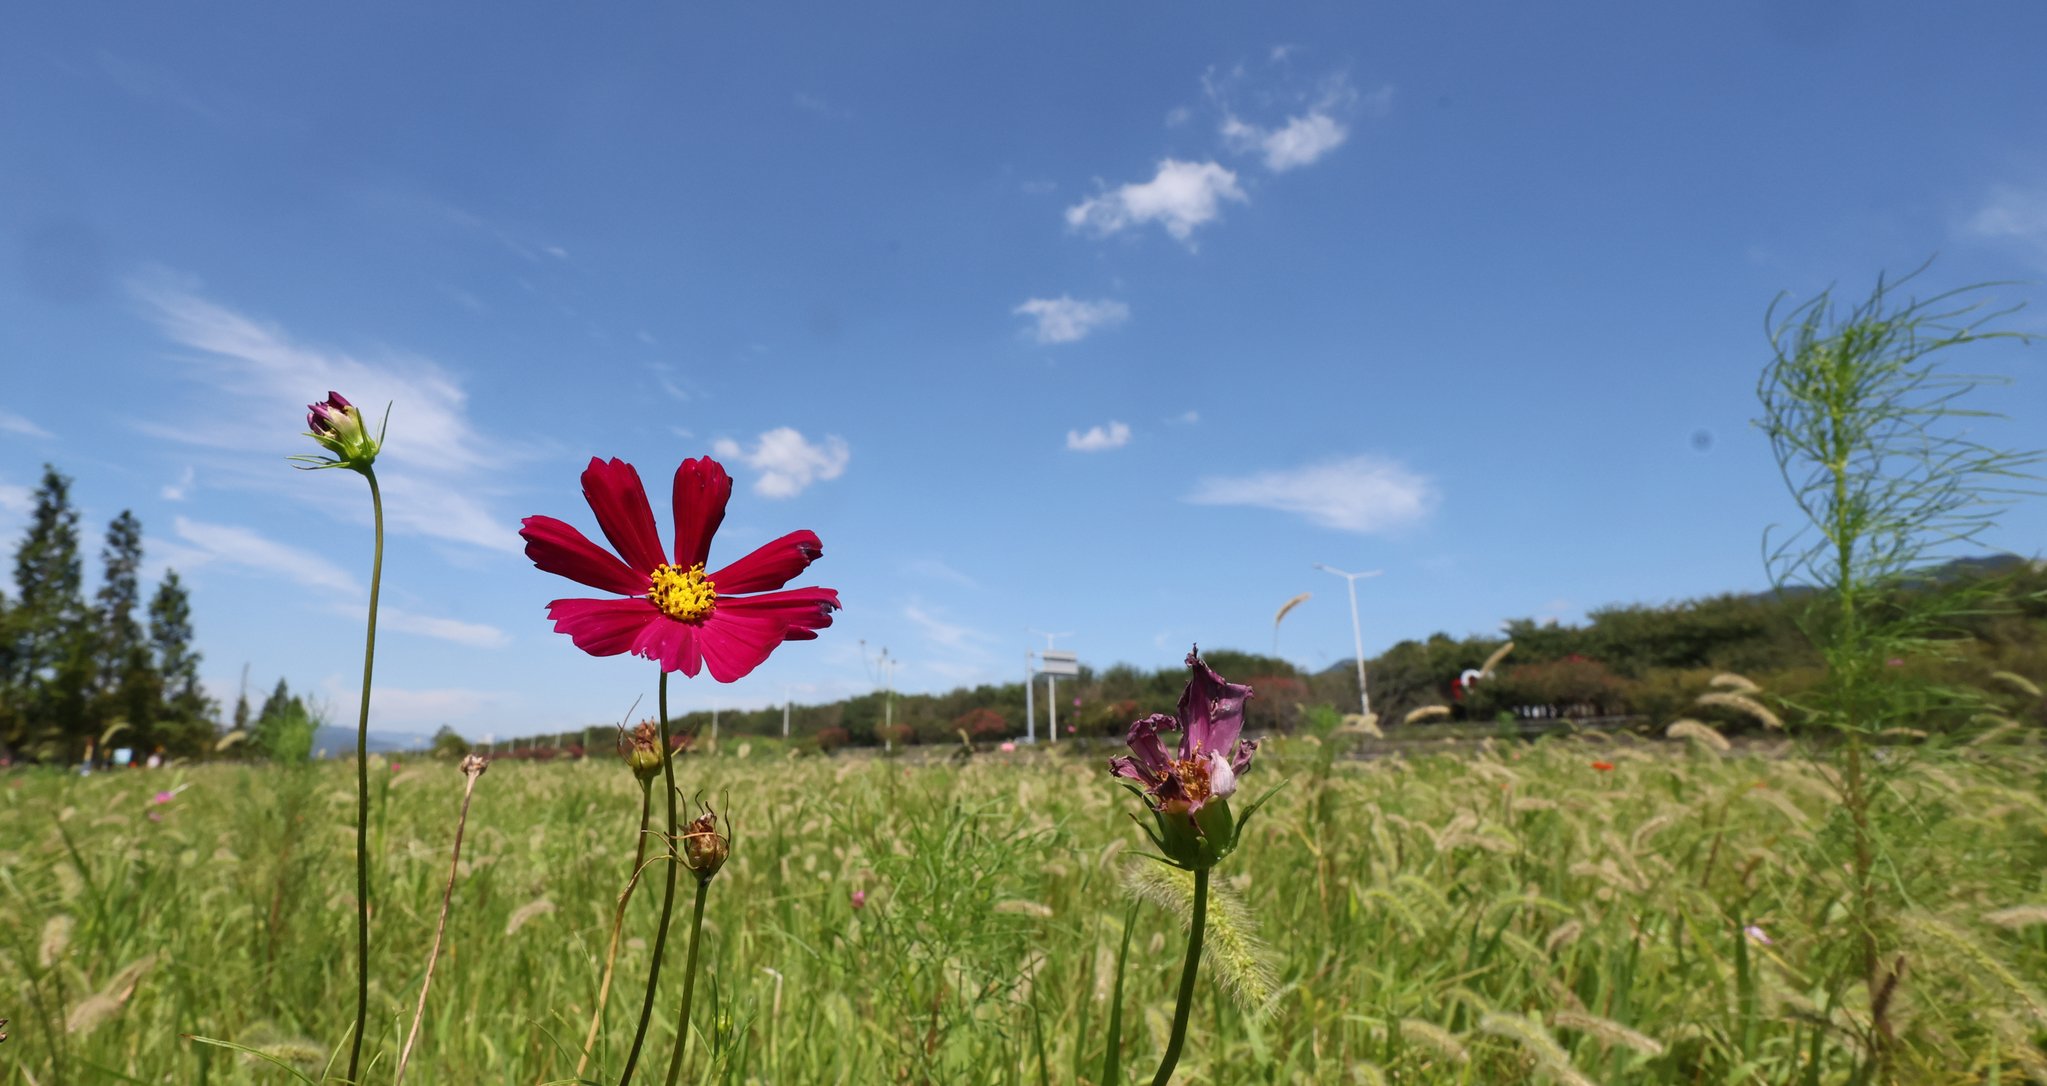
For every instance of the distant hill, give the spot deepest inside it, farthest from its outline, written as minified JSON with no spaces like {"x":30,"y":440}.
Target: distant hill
{"x":330,"y":741}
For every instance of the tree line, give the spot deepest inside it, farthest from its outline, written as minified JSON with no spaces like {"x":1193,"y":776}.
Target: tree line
{"x":100,"y":671}
{"x":1649,"y":663}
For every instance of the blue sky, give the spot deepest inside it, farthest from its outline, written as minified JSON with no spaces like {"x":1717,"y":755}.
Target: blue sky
{"x":1109,"y":321}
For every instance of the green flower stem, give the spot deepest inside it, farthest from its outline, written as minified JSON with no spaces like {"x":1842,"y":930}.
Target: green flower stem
{"x":632,"y":1058}
{"x":362,"y":794}
{"x":1187,"y":971}
{"x":617,"y":925}
{"x":689,"y":981}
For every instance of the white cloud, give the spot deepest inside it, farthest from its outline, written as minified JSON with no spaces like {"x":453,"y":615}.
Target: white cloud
{"x":257,"y":380}
{"x":951,"y":635}
{"x":229,"y":545}
{"x":182,"y":489}
{"x":396,"y":709}
{"x":1187,"y":418}
{"x":1067,"y":319}
{"x":241,"y":547}
{"x":1299,"y":142}
{"x":474,"y":634}
{"x":1180,"y":197}
{"x":11,"y":423}
{"x":787,"y":463}
{"x":1362,"y":494}
{"x":16,"y":499}
{"x":1099,"y":439}
{"x":2013,"y":214}
{"x":938,"y":570}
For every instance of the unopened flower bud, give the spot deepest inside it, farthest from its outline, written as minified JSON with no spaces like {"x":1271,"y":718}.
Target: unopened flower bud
{"x":703,"y":848}
{"x":641,"y":749}
{"x":339,"y":428}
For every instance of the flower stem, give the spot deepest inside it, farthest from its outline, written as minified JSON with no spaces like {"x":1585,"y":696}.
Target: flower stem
{"x":632,"y":1058}
{"x":617,"y":925}
{"x":689,"y":981}
{"x":1187,"y":971}
{"x":362,"y":794}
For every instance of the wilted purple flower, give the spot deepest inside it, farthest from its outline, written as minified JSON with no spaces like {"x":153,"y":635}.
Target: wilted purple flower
{"x":1188,"y":789}
{"x":1758,"y":935}
{"x":1211,"y":752}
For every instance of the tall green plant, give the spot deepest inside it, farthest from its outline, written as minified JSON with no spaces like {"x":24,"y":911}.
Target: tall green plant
{"x":1879,"y":448}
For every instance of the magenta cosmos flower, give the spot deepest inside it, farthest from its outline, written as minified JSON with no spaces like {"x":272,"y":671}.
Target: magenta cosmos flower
{"x":673,"y":612}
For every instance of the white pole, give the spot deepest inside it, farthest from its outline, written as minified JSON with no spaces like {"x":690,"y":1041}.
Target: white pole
{"x":1052,"y":706}
{"x":785,"y":712}
{"x":1357,"y":636}
{"x":1030,"y":696}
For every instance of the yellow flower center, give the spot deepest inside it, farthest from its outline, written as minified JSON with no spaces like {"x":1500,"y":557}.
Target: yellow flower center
{"x":1193,"y":777}
{"x":684,"y":594}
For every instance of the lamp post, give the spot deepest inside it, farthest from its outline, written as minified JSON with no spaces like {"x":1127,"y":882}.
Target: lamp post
{"x":1356,"y":632}
{"x":1051,"y":687}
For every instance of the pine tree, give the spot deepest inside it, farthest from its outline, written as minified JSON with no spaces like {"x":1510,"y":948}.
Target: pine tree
{"x":126,"y":687}
{"x":184,"y":713}
{"x":50,"y":656}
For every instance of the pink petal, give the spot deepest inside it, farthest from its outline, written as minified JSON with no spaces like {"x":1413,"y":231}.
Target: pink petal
{"x":701,"y":490}
{"x":672,"y":644}
{"x":620,"y":502}
{"x":771,"y":566}
{"x":563,"y":551}
{"x":734,"y":647}
{"x":603,"y":627}
{"x":804,"y":609}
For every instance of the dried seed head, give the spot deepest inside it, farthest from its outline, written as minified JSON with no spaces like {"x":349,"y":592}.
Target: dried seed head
{"x":641,"y":749}
{"x":473,"y":765}
{"x":703,"y":848}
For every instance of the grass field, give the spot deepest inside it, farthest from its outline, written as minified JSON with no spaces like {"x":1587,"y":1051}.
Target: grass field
{"x":1467,"y":914}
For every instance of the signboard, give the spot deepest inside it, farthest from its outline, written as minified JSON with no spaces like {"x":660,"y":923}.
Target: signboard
{"x":1058,"y":663}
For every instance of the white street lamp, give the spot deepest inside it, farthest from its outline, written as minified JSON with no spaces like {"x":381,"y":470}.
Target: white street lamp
{"x":1356,"y":632}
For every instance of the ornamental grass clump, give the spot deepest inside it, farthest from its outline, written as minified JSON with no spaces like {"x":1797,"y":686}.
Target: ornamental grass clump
{"x":669,"y":609}
{"x":1187,"y":794}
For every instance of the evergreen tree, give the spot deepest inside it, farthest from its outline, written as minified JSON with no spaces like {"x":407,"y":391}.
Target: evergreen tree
{"x":185,"y":713}
{"x":50,"y":656}
{"x":126,"y":688}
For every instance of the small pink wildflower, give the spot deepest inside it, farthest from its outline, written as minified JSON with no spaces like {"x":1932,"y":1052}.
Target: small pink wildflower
{"x":859,"y":899}
{"x":1007,"y":747}
{"x":1758,"y":935}
{"x":164,"y":797}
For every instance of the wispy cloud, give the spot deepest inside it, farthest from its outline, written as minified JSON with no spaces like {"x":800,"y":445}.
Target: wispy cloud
{"x":1179,"y":197}
{"x":786,"y":461}
{"x":474,"y":634}
{"x":1298,"y":142}
{"x":182,"y":489}
{"x":239,"y":548}
{"x":1312,"y":118}
{"x":18,"y":500}
{"x":400,"y":709}
{"x":1098,"y":438}
{"x":1186,"y":418}
{"x":936,"y":570}
{"x":11,"y":423}
{"x":1363,"y":494}
{"x":2014,"y":215}
{"x":938,"y":630}
{"x":1066,"y":319}
{"x":257,"y":379}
